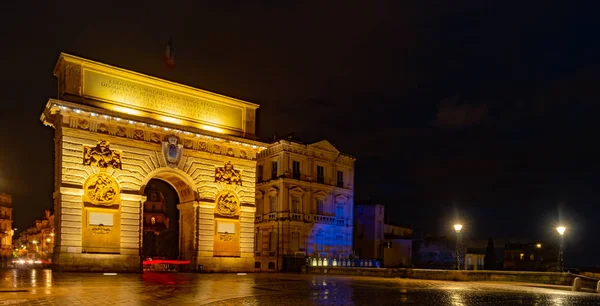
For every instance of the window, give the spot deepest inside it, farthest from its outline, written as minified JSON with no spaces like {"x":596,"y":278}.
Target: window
{"x":296,"y":170}
{"x":152,"y":220}
{"x":340,"y":179}
{"x":257,"y":241}
{"x":296,"y":204}
{"x":272,"y":241}
{"x":531,"y":257}
{"x":379,"y":230}
{"x":273,"y":170}
{"x":320,"y":174}
{"x":521,"y":256}
{"x":259,"y":173}
{"x":339,"y":210}
{"x":320,"y":207}
{"x":295,"y":243}
{"x":273,"y":203}
{"x":260,"y":209}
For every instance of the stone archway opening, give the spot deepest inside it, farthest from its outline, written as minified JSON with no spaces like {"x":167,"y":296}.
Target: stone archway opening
{"x":160,"y":225}
{"x":165,"y":214}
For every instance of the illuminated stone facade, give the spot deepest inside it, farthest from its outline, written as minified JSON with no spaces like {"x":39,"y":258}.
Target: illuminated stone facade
{"x":37,"y":241}
{"x":304,"y":199}
{"x":114,"y":131}
{"x":6,"y":231}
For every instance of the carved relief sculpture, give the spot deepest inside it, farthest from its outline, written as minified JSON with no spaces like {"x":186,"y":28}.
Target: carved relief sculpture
{"x":101,"y":189}
{"x":103,"y":128}
{"x":227,"y":204}
{"x":187,"y":143}
{"x":138,"y":135}
{"x":230,"y":152}
{"x":216,"y":149}
{"x":102,"y":156}
{"x":243,"y":154}
{"x":155,"y":138}
{"x":228,"y":175}
{"x":202,"y":146}
{"x":121,"y":131}
{"x":83,"y":124}
{"x":172,"y":151}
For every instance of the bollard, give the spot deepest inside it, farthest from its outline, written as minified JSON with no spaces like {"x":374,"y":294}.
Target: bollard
{"x":598,"y":287}
{"x":577,"y":284}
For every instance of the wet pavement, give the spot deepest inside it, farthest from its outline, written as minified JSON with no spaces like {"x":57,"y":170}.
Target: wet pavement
{"x":42,"y":287}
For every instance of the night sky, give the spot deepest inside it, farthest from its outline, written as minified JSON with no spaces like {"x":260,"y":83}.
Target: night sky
{"x":483,"y":111}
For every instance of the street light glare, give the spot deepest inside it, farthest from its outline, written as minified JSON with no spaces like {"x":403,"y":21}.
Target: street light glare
{"x":561,"y":230}
{"x":458,"y":227}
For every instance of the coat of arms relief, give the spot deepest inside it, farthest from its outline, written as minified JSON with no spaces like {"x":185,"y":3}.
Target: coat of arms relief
{"x":172,"y":151}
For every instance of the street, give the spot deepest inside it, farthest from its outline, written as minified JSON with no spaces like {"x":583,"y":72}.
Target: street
{"x":42,"y":287}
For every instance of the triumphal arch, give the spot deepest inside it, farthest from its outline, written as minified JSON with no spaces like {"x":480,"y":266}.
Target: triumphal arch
{"x":114,"y":131}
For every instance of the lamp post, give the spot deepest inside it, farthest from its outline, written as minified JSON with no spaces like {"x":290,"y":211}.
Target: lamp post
{"x":457,"y":228}
{"x":561,"y":231}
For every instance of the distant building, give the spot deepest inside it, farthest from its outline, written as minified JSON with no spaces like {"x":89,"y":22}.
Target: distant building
{"x":435,"y":252}
{"x":374,"y":239}
{"x":304,"y":204}
{"x":536,"y":256}
{"x":37,"y":241}
{"x":155,"y":211}
{"x":6,"y":230}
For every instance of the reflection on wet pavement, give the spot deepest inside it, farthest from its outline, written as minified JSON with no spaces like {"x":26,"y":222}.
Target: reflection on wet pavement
{"x":42,"y":287}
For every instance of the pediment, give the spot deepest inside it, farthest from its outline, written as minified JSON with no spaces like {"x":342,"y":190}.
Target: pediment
{"x":325,"y":146}
{"x":273,"y":191}
{"x":297,"y":190}
{"x":320,"y":194}
{"x":341,"y":198}
{"x":259,"y":194}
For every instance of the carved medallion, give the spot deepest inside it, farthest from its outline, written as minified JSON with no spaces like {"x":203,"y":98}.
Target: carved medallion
{"x":138,"y":135}
{"x":102,"y":156}
{"x":243,"y":154}
{"x":202,"y":146}
{"x":172,"y":151}
{"x":227,"y":204}
{"x":187,"y":143}
{"x":121,"y":131}
{"x":101,"y":189}
{"x":230,"y":152}
{"x":228,"y":175}
{"x":103,"y":128}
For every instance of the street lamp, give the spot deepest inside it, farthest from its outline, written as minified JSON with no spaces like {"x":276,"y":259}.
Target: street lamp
{"x":561,"y":231}
{"x":457,"y":228}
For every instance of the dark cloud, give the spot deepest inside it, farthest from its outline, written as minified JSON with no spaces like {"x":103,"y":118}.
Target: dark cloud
{"x":453,"y":114}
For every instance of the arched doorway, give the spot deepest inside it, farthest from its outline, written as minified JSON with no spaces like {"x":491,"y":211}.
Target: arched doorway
{"x":160,"y":226}
{"x":167,"y":213}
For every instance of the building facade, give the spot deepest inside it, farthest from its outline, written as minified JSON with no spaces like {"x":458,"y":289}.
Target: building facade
{"x":304,"y":200}
{"x":374,"y":239}
{"x":538,"y":256}
{"x":37,"y":241}
{"x":115,"y":130}
{"x":6,"y":229}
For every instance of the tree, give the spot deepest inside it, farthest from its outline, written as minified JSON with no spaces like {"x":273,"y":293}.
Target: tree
{"x":490,"y":256}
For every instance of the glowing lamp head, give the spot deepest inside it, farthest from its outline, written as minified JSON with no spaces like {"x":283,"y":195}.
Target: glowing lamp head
{"x":561,"y":230}
{"x":539,"y":245}
{"x":457,"y":227}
